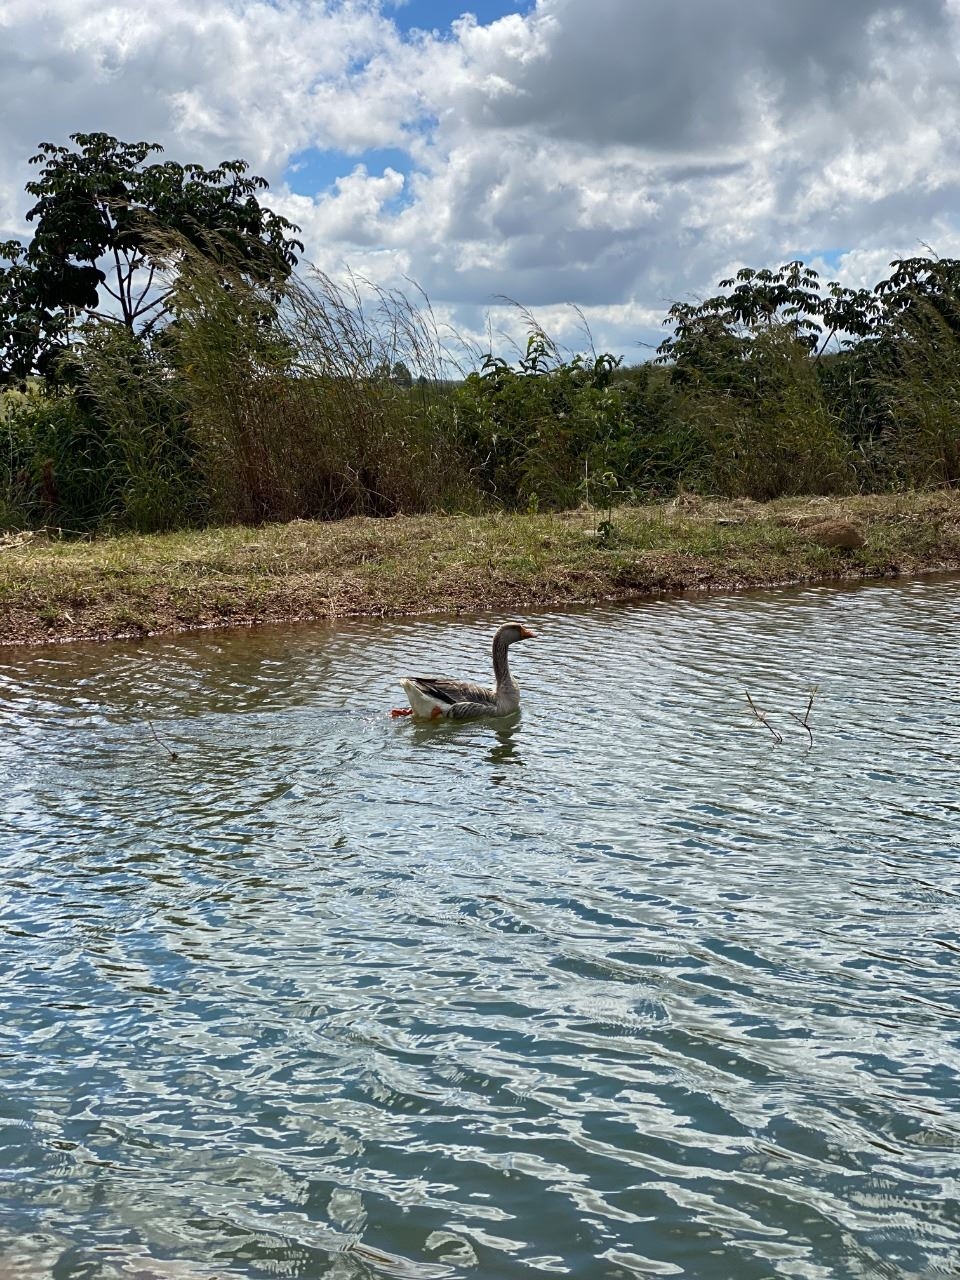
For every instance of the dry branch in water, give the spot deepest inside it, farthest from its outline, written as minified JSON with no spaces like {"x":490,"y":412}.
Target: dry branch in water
{"x":160,"y":742}
{"x":803,"y":721}
{"x":762,"y":717}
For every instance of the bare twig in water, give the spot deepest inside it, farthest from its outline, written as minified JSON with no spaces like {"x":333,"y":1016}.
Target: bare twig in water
{"x":804,"y":720}
{"x":160,"y":742}
{"x":762,"y":717}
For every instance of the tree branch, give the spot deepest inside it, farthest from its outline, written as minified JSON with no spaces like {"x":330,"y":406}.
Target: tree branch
{"x":138,"y":308}
{"x":804,"y":720}
{"x":152,"y":323}
{"x":112,"y":292}
{"x":762,"y":717}
{"x":159,"y":741}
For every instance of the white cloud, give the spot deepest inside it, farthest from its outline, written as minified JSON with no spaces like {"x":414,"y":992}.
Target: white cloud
{"x":617,"y":155}
{"x":354,"y":211}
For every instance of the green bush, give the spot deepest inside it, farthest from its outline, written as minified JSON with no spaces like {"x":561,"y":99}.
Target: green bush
{"x":923,"y":394}
{"x":772,"y":433}
{"x":534,"y":434}
{"x":658,"y":450}
{"x":782,"y":413}
{"x":110,"y":452}
{"x":152,"y":477}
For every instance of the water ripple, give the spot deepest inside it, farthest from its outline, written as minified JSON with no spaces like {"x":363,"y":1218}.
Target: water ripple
{"x":619,"y":987}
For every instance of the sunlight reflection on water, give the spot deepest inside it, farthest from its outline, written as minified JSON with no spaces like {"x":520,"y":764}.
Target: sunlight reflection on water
{"x":616,"y":988}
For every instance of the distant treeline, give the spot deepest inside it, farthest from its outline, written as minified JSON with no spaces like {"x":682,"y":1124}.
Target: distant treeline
{"x":253,"y":403}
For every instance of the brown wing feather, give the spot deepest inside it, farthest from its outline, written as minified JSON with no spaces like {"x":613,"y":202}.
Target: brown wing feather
{"x":454,"y":691}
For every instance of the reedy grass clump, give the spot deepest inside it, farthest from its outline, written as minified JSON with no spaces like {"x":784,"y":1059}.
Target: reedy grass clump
{"x":320,"y":403}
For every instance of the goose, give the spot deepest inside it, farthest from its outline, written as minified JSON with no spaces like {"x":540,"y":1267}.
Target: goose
{"x":432,"y":697}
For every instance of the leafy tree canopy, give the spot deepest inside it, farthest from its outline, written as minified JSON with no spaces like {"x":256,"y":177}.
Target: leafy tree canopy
{"x":711,"y":339}
{"x":95,"y":254}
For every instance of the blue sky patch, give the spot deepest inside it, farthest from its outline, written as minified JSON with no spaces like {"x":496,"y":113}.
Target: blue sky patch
{"x":430,"y":15}
{"x":830,"y":256}
{"x":312,"y":172}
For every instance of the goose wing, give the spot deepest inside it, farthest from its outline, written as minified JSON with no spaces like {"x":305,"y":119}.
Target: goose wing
{"x":452,"y":692}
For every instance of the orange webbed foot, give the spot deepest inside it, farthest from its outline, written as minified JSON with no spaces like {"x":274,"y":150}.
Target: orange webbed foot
{"x":401,"y":711}
{"x":435,"y":713}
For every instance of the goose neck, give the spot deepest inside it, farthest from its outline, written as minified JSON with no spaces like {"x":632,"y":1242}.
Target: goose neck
{"x":501,"y":666}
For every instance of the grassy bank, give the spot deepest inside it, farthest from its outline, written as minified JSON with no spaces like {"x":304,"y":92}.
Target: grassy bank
{"x":52,"y":590}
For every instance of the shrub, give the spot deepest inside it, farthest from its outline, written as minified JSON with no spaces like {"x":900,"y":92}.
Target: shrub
{"x":923,"y":394}
{"x":150,"y":469}
{"x":772,"y":433}
{"x":657,"y":450}
{"x":64,"y":466}
{"x":532,"y":433}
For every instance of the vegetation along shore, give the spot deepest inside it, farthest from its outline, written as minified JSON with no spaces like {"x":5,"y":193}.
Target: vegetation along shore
{"x":54,"y":589}
{"x":195,"y":430}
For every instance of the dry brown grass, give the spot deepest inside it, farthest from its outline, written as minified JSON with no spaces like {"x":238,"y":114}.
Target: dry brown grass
{"x":51,"y":589}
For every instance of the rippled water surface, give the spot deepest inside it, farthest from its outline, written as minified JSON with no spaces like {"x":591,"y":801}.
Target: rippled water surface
{"x":618,"y":988}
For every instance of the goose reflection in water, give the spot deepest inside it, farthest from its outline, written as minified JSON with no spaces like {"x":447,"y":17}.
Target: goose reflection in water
{"x":501,"y":739}
{"x":505,"y":751}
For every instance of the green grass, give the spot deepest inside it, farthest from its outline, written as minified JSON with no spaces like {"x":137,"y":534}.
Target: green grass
{"x":135,"y":584}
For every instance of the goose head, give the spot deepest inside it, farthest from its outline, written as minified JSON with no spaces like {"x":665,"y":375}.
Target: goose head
{"x":511,"y":632}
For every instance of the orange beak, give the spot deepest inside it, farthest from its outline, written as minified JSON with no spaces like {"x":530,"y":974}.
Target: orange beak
{"x":527,"y":634}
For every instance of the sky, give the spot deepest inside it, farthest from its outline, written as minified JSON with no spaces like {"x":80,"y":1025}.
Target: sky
{"x":593,"y":160}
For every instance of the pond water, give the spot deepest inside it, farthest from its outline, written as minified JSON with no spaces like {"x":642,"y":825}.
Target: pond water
{"x":620,"y":987}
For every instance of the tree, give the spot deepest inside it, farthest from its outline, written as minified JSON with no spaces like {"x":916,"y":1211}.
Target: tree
{"x":30,"y":330}
{"x":711,"y":341}
{"x":922,"y":292}
{"x":101,"y":211}
{"x":717,"y":335}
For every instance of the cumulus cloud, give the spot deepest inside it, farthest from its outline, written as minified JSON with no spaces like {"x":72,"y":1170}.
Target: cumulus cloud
{"x":617,"y":155}
{"x":687,"y":78}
